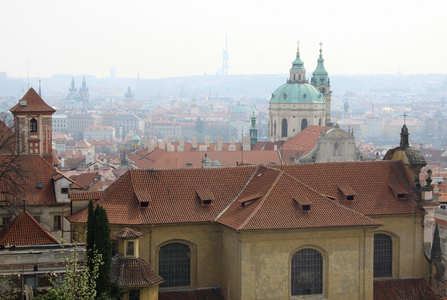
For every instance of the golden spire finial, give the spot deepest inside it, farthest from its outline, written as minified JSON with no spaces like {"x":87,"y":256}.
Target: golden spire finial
{"x":321,"y":44}
{"x":298,"y":47}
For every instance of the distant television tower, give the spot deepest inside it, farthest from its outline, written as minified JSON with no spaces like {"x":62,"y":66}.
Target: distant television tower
{"x":225,"y":57}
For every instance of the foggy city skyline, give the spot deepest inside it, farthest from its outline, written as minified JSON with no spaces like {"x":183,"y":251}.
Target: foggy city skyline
{"x":175,"y":38}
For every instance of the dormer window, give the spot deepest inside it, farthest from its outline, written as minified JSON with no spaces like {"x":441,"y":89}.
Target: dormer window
{"x":250,"y":199}
{"x":206,"y":196}
{"x":33,"y":125}
{"x":303,"y":203}
{"x":348,"y":192}
{"x":39,"y":185}
{"x":398,"y":191}
{"x":144,"y":204}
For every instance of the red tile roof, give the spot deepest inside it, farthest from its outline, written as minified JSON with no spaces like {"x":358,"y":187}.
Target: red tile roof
{"x":7,"y":139}
{"x":277,"y":208}
{"x":162,"y":159}
{"x":26,"y":231}
{"x":269,"y":196}
{"x":37,"y":171}
{"x":35,"y":104}
{"x":306,"y":140}
{"x":197,"y":294}
{"x":86,"y":179}
{"x":406,"y":288}
{"x":74,"y":196}
{"x":370,"y":180}
{"x":133,"y":272}
{"x":127,"y":233}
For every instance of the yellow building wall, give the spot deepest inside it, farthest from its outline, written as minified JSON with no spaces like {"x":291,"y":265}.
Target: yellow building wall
{"x":266,"y":262}
{"x":408,"y":244}
{"x":257,"y":264}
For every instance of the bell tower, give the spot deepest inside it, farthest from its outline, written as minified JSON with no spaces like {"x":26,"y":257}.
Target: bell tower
{"x":33,"y":126}
{"x":320,"y":80}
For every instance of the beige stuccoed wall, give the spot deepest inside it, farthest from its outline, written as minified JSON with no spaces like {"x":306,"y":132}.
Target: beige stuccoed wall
{"x":408,"y":244}
{"x":266,"y":262}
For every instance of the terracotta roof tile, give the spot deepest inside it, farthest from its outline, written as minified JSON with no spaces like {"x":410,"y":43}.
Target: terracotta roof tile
{"x":278,"y":208}
{"x":198,"y":294}
{"x":25,"y":231}
{"x":306,"y":140}
{"x":35,"y":104}
{"x":405,"y":288}
{"x":74,"y":196}
{"x":269,"y":196}
{"x":134,"y":272}
{"x":370,"y":180}
{"x":38,"y":173}
{"x":127,"y":233}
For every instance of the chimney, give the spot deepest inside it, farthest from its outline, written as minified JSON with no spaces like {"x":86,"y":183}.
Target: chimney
{"x":161,"y":145}
{"x":181,"y":144}
{"x":194,"y":142}
{"x":246,"y":146}
{"x":151,"y":146}
{"x":168,"y":140}
{"x":207,"y":141}
{"x":427,"y":191}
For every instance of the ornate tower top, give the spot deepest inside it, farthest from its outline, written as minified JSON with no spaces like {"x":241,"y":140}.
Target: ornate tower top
{"x":298,"y":72}
{"x":320,"y":75}
{"x":404,"y":140}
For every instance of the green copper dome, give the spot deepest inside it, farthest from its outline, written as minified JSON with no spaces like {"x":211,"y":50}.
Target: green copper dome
{"x":238,"y":109}
{"x":136,"y":139}
{"x":297,"y":93}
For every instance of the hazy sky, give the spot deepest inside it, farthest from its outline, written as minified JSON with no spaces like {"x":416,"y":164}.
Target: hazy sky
{"x":168,"y":38}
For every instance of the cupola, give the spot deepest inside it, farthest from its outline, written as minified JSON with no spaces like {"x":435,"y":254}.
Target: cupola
{"x":128,"y":244}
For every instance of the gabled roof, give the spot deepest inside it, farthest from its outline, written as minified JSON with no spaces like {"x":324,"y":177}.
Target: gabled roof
{"x":26,"y":231}
{"x":34,"y":104}
{"x":34,"y":182}
{"x":278,"y":208}
{"x":260,"y":197}
{"x":133,"y":272}
{"x":306,"y":140}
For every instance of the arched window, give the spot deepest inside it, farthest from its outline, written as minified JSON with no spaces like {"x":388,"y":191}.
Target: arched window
{"x":284,"y":128}
{"x":33,"y":125}
{"x":274,"y":129}
{"x":303,"y":124}
{"x":319,"y":122}
{"x":174,"y":264}
{"x":383,"y":255}
{"x":307,"y":272}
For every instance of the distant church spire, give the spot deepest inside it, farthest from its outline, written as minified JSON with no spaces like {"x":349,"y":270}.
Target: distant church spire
{"x":225,"y":56}
{"x":40,"y":89}
{"x":404,"y":140}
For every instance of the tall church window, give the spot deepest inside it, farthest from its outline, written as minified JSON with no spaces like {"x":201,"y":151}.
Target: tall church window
{"x":175,"y":265}
{"x":303,"y":124}
{"x":383,"y":255}
{"x":307,"y":272}
{"x":33,"y":125}
{"x":284,"y":128}
{"x":274,"y":129}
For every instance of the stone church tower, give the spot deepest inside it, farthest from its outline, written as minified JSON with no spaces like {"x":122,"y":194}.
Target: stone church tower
{"x":33,"y":126}
{"x":298,"y":104}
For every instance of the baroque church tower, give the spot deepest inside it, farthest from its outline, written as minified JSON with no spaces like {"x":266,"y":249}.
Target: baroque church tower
{"x":320,"y":80}
{"x":298,"y":104}
{"x":33,"y":126}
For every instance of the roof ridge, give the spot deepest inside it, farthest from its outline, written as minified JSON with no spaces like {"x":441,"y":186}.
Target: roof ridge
{"x":140,"y":219}
{"x":237,"y":196}
{"x":258,"y":207}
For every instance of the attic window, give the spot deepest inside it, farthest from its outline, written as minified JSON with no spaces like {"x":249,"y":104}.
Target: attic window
{"x":348,"y":192}
{"x":144,"y":204}
{"x":398,"y":192}
{"x":39,"y":185}
{"x":250,"y":199}
{"x":303,"y":203}
{"x":188,"y":164}
{"x":206,"y":196}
